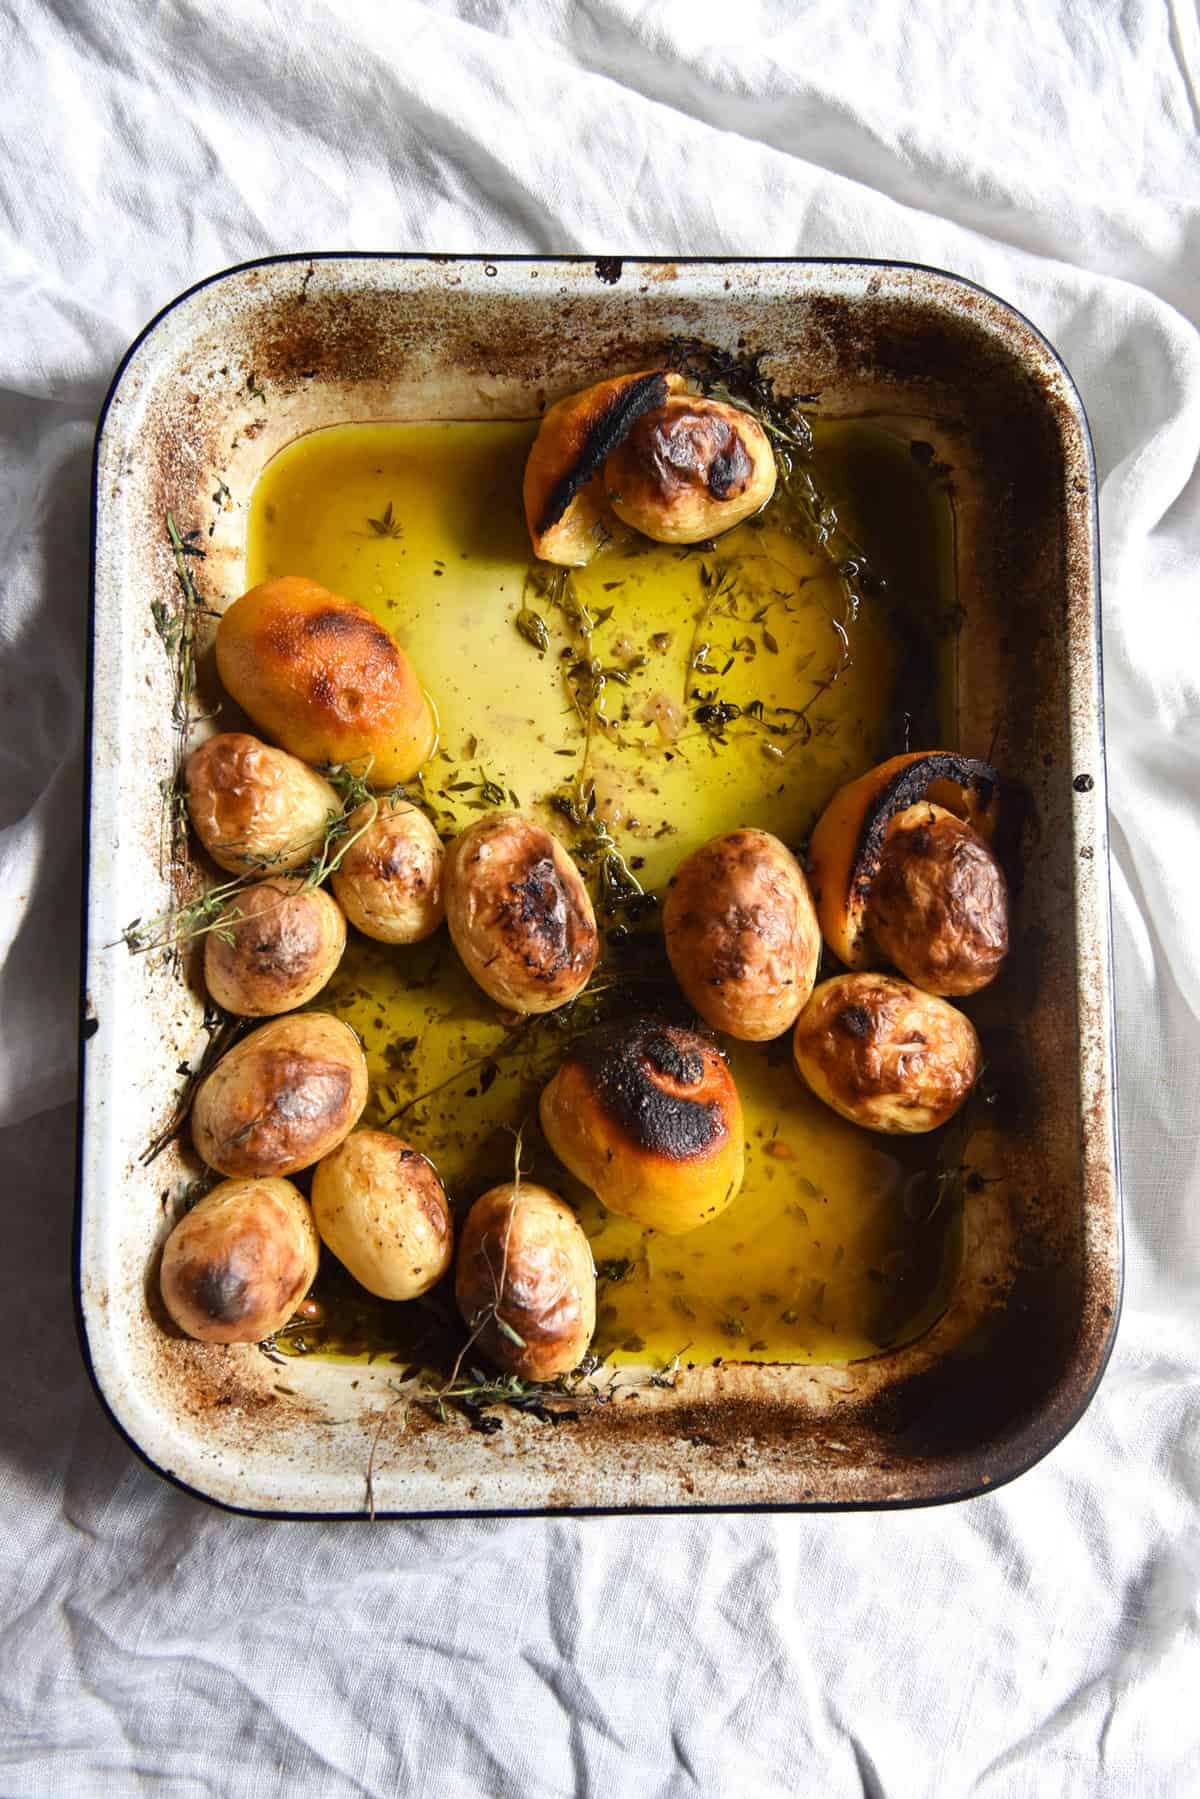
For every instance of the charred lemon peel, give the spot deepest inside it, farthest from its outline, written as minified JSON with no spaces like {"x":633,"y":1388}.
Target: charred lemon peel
{"x":847,"y":846}
{"x":610,"y":428}
{"x":911,"y":785}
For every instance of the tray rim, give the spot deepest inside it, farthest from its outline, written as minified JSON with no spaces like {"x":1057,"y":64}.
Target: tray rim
{"x":1029,"y":1453}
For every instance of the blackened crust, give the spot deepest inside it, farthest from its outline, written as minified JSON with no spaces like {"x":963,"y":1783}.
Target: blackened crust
{"x":906,"y":788}
{"x":542,"y":922}
{"x":639,"y":1071}
{"x":611,"y":428}
{"x":221,"y":1292}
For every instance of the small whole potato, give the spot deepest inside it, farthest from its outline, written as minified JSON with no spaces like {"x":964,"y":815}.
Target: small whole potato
{"x":238,"y":1264}
{"x":690,"y":469}
{"x":282,"y":1098}
{"x":254,"y":807}
{"x":322,"y":676}
{"x":523,"y":1259}
{"x":884,"y":1054}
{"x":275,"y":946}
{"x":380,"y":1207}
{"x":938,"y":907}
{"x":389,"y":881}
{"x":648,"y":1116}
{"x":519,"y":914}
{"x":742,"y":934}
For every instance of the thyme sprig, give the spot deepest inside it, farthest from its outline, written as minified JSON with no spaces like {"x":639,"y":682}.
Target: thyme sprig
{"x":222,"y":1030}
{"x":387,"y":524}
{"x":739,"y":380}
{"x":214,"y":909}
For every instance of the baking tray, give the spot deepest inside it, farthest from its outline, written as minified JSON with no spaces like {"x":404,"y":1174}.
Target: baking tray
{"x":242,"y":364}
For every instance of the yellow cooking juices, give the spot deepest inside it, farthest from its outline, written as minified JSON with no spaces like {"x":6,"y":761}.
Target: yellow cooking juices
{"x":637,"y":708}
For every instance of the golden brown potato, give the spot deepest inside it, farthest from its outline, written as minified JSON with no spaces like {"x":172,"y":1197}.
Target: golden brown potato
{"x":382,"y":1210}
{"x":742,"y":934}
{"x":690,"y":469}
{"x":938,"y":908}
{"x":275,"y":946}
{"x":389,"y":881}
{"x":254,"y":807}
{"x":523,"y":1259}
{"x":847,"y":844}
{"x":519,"y":914}
{"x":282,"y":1098}
{"x":565,"y":506}
{"x":647,"y":1115}
{"x":238,"y":1264}
{"x":884,"y":1054}
{"x":323,"y":677}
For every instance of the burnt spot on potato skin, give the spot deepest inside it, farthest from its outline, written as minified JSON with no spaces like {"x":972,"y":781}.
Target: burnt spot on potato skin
{"x":235,"y":1268}
{"x":543,"y":923}
{"x":664,"y":1087}
{"x":856,"y":1020}
{"x":220,"y":1291}
{"x":608,"y":430}
{"x":346,"y":628}
{"x":285,"y":1104}
{"x":683,"y":447}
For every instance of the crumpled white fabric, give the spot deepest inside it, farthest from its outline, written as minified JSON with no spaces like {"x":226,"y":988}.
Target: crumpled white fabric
{"x":1044,"y":1640}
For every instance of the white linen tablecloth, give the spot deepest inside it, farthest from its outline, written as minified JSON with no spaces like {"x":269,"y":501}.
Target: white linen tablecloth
{"x":1042,"y":1641}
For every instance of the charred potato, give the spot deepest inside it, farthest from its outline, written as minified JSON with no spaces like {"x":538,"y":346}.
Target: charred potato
{"x":380,"y":1207}
{"x":255,"y":807}
{"x":282,"y":1098}
{"x":274,"y":947}
{"x":389,"y":880}
{"x":525,"y":1281}
{"x":938,"y":908}
{"x":238,"y":1264}
{"x":323,"y":677}
{"x":742,"y":934}
{"x":565,"y":506}
{"x":690,"y":469}
{"x":519,"y":914}
{"x":884,"y":1054}
{"x":902,"y":870}
{"x":647,"y":1115}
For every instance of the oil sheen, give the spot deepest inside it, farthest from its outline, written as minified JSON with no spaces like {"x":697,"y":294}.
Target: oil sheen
{"x":638,"y":707}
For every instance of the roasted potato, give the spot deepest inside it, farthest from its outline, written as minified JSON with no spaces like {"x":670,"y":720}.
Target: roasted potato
{"x":323,"y":678}
{"x":238,"y":1264}
{"x":380,"y":1207}
{"x":519,"y":914}
{"x":647,"y":1115}
{"x":938,"y":908}
{"x":282,"y":1098}
{"x":742,"y":934}
{"x":254,"y":807}
{"x":565,"y":506}
{"x":275,"y":946}
{"x":690,"y":469}
{"x":389,"y":880}
{"x":884,"y":1054}
{"x":525,"y":1281}
{"x":943,"y":901}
